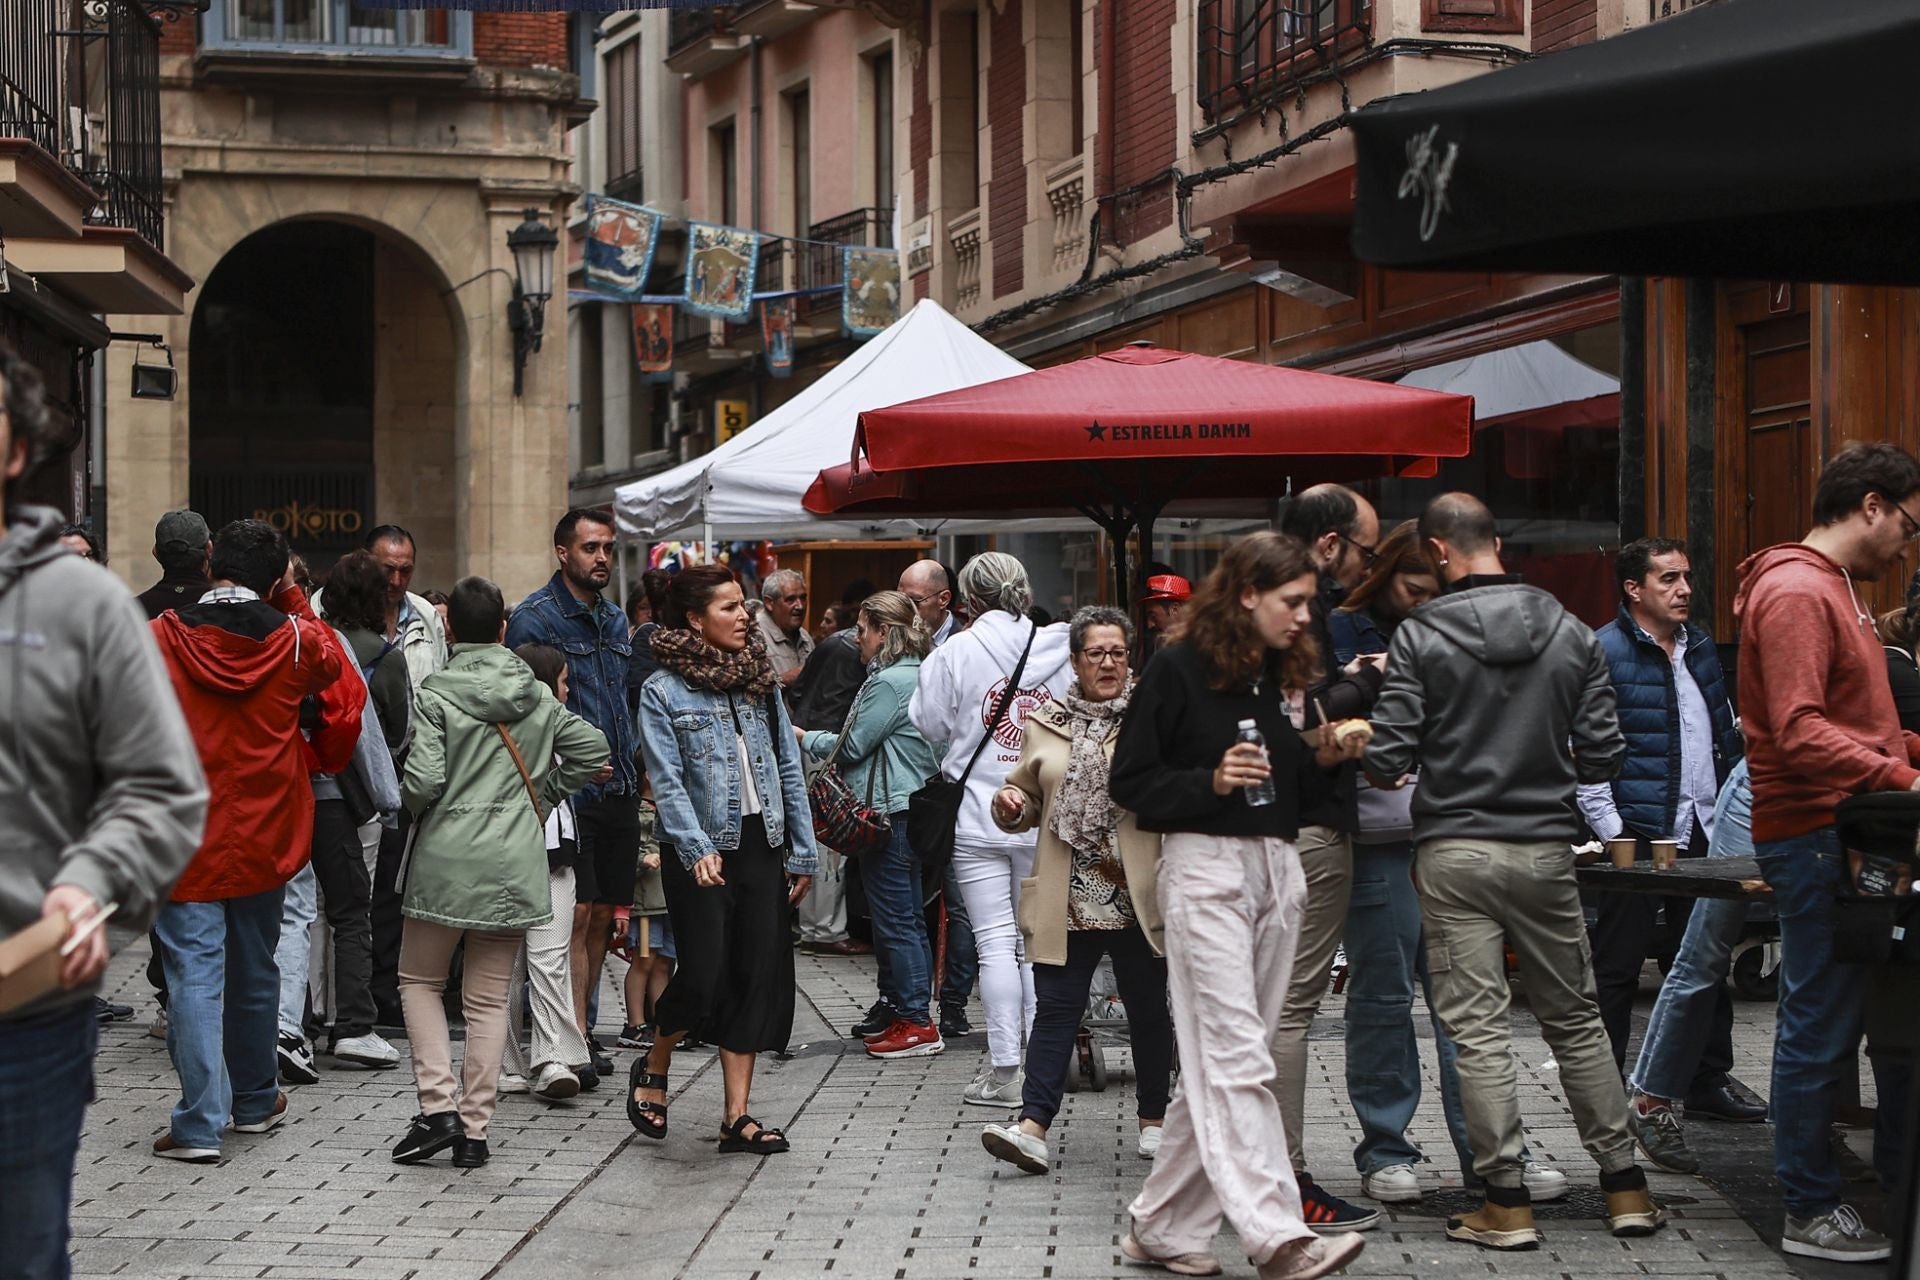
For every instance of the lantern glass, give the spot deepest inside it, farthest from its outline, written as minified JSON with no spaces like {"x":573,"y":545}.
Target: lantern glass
{"x":533,"y":243}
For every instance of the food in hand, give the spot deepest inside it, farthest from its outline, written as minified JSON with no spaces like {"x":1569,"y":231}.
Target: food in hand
{"x":1346,"y":732}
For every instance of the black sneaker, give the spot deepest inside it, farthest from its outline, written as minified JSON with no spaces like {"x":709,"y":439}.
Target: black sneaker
{"x":640,"y":1037}
{"x":589,"y":1079}
{"x":1328,"y":1214}
{"x":296,"y":1061}
{"x":953,"y":1022}
{"x":427,"y":1137}
{"x":106,"y":1011}
{"x":601,"y":1062}
{"x":469,"y":1153}
{"x":879,"y":1017}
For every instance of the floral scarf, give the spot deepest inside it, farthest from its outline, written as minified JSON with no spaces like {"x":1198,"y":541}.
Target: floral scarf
{"x":1084,"y":814}
{"x":704,"y":667}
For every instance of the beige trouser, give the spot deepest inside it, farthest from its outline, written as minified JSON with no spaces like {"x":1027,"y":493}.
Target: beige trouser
{"x":1232,"y":912}
{"x":1475,"y":897}
{"x":426,"y":953}
{"x":1326,"y":857}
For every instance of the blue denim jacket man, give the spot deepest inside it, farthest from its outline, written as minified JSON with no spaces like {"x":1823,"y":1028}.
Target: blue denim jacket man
{"x":594,"y":638}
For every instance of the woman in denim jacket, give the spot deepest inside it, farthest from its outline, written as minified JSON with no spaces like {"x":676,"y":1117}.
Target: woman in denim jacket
{"x":726,"y":777}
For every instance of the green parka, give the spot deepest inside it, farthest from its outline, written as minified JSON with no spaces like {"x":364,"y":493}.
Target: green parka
{"x":479,"y":860}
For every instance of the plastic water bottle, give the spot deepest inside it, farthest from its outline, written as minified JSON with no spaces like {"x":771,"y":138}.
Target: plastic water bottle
{"x":1258,"y":793}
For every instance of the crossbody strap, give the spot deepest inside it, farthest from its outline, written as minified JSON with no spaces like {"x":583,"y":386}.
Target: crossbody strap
{"x":513,"y":749}
{"x":1000,"y":708}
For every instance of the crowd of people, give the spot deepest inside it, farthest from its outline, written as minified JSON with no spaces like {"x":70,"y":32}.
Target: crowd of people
{"x":334,"y":807}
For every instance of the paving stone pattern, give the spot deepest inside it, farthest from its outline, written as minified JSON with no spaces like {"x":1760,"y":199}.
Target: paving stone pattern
{"x":887,"y":1179}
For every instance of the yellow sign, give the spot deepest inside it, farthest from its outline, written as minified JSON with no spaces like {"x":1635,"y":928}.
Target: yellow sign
{"x":730,"y":419}
{"x":302,"y":520}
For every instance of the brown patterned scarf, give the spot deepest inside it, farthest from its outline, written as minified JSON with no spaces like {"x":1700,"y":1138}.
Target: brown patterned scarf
{"x":704,"y":667}
{"x":1084,"y":815}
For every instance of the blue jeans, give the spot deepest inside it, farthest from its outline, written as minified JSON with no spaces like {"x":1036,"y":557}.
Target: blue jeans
{"x":1820,"y":1011}
{"x":223,"y":1011}
{"x":894,"y":899}
{"x":46,"y":1082}
{"x":963,"y":959}
{"x":1683,"y":1016}
{"x":1384,"y":959}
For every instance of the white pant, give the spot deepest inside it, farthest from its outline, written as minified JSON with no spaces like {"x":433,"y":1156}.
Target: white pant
{"x":314,"y":968}
{"x":544,"y":969}
{"x":823,"y":912}
{"x":989,"y":876}
{"x":1232,"y":909}
{"x":298,"y":911}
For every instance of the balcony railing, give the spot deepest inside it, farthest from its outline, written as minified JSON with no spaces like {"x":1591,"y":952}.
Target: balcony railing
{"x":123,"y":164}
{"x":1254,"y":51}
{"x":628,"y":186}
{"x":36,"y":71}
{"x":1658,"y":9}
{"x":684,"y":26}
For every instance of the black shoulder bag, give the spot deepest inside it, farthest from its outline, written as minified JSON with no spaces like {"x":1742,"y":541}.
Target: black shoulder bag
{"x":933,"y":812}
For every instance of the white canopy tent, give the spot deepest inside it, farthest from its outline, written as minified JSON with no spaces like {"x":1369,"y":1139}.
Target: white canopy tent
{"x":749,"y":488}
{"x":1533,"y":375}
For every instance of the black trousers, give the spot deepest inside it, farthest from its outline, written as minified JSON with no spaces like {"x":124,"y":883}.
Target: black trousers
{"x":1624,"y":936}
{"x":1060,"y":1002}
{"x":387,"y":921}
{"x":733,"y":986}
{"x":346,"y":895}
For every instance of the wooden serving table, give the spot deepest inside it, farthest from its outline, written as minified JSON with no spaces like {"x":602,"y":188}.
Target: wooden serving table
{"x":1691,"y":878}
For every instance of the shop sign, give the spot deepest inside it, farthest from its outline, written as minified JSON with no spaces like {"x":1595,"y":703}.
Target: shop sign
{"x":298,"y":520}
{"x":730,"y":419}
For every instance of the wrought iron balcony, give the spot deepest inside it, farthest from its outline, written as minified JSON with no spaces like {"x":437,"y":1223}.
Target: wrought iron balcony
{"x":1658,"y":9}
{"x":35,"y":79}
{"x":121,"y":157}
{"x":1255,"y":51}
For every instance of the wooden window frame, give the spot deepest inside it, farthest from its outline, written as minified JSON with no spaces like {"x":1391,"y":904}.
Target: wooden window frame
{"x":1505,"y":18}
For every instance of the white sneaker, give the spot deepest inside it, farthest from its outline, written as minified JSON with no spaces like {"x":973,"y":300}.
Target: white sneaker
{"x":985,"y":1091}
{"x":555,"y":1083}
{"x":1011,"y":1143}
{"x":1395,"y":1184}
{"x":1150,"y":1141}
{"x":512,"y":1083}
{"x":368,"y":1050}
{"x":1544,"y":1182}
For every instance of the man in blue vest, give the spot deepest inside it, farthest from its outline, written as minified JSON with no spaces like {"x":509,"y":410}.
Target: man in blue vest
{"x":1681,"y":742}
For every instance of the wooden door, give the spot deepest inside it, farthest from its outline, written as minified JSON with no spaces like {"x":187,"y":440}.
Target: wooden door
{"x":1766,"y":445}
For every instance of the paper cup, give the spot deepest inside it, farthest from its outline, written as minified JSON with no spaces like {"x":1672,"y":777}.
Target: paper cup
{"x":1623,"y":851}
{"x":1666,"y":854}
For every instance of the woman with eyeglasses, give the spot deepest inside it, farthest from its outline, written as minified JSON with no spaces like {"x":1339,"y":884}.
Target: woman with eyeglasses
{"x":1091,"y":894}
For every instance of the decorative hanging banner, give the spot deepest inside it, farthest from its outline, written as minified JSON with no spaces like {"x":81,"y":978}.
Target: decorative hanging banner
{"x":653,"y":339}
{"x":619,"y":247}
{"x":776,"y":333}
{"x":872,"y":297}
{"x":720,"y":266}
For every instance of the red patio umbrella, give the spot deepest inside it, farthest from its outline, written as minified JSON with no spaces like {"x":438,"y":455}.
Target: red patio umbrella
{"x":1119,"y":436}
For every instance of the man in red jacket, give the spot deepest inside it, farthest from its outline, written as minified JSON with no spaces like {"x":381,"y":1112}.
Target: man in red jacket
{"x":242,"y":668}
{"x":1820,"y":726}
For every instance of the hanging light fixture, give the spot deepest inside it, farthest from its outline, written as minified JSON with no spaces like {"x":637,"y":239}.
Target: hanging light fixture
{"x":532,"y":244}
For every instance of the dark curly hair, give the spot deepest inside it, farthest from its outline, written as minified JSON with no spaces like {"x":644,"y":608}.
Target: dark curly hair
{"x":692,"y":591}
{"x":1221,"y":628}
{"x":356,"y":594}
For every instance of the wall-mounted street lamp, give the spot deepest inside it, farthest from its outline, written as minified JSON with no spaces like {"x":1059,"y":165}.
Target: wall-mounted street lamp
{"x":532,"y":244}
{"x":151,"y":381}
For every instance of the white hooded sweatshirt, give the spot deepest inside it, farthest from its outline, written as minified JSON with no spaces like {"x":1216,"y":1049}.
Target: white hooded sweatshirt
{"x":960,"y":683}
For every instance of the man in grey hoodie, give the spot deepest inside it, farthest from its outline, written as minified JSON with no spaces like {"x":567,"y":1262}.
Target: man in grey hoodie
{"x":101,"y":803}
{"x":1506,"y":702}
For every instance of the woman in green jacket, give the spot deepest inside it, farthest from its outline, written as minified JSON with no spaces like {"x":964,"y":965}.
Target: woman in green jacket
{"x":479,"y":785}
{"x":882,"y":756}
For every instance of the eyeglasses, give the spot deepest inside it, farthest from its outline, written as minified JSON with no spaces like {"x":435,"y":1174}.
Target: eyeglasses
{"x":1105,"y":657}
{"x":1368,"y":555}
{"x":920,"y":602}
{"x":1912,"y":525}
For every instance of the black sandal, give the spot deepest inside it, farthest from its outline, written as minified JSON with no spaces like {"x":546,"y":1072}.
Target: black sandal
{"x":650,"y":1118}
{"x":764,"y":1142}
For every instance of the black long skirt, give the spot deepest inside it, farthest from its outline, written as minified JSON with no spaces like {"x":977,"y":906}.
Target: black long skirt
{"x":734,"y":983}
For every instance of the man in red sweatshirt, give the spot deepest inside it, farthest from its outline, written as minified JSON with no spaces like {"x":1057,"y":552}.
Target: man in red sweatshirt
{"x":242,"y":661}
{"x":1820,"y":726}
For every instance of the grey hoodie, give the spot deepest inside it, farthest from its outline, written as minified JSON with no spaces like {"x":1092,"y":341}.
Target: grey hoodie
{"x":1503,"y":700}
{"x":100,"y":786}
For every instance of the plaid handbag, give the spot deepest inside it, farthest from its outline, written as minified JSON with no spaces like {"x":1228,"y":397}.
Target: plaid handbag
{"x":842,"y":821}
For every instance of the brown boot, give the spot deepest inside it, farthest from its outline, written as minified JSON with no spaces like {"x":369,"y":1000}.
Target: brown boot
{"x":1633,"y":1213}
{"x":1496,"y":1226}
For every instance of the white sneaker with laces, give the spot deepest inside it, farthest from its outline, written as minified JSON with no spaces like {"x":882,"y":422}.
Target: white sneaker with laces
{"x":368,"y":1050}
{"x":1150,"y":1141}
{"x":1544,"y":1182}
{"x":511,"y":1083}
{"x":985,"y":1091}
{"x":1011,"y":1143}
{"x":1395,"y":1184}
{"x":555,"y":1083}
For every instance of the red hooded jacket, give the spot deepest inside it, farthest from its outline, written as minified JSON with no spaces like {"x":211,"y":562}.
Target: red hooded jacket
{"x":1815,"y":704}
{"x":240,"y":670}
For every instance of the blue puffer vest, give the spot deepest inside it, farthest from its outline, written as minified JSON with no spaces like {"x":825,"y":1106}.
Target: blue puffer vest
{"x":1647,"y":792}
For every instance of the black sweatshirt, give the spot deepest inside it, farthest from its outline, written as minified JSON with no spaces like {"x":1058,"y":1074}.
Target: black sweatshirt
{"x":1176,"y":729}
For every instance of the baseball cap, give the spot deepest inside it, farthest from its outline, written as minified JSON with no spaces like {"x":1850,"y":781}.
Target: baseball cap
{"x":1167,"y":586}
{"x":182,"y":531}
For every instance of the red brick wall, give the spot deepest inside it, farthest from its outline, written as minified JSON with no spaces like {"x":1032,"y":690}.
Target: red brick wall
{"x":1143,"y":113}
{"x":1007,"y":173}
{"x":178,"y":37}
{"x":521,"y":40}
{"x":1560,"y":24}
{"x":922,"y":285}
{"x":920,"y":132}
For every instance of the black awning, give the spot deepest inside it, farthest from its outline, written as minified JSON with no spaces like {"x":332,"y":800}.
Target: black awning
{"x":1757,"y":139}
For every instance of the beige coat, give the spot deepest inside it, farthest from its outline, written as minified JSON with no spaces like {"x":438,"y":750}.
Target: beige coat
{"x":1043,"y":895}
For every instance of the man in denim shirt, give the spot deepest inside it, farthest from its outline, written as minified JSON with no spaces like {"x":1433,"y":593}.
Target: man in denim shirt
{"x":569,"y":614}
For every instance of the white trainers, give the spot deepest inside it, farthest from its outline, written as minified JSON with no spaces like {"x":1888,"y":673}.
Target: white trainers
{"x":511,"y":1082}
{"x":1395,"y":1184}
{"x":555,"y":1083}
{"x":1181,"y":1264}
{"x":368,"y":1050}
{"x":1543,"y":1182}
{"x":1011,"y":1143}
{"x":985,"y":1091}
{"x":1150,"y":1141}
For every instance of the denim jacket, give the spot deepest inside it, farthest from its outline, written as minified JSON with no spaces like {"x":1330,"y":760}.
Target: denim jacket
{"x":595,"y":642}
{"x":687,"y":735}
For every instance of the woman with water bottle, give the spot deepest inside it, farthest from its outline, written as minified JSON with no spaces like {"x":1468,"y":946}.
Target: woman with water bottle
{"x":1208,"y":755}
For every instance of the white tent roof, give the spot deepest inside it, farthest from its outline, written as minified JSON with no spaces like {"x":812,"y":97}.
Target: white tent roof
{"x":750,"y":487}
{"x":1530,"y":376}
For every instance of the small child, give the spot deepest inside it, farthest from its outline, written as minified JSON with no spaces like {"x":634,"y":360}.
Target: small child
{"x":649,"y":938}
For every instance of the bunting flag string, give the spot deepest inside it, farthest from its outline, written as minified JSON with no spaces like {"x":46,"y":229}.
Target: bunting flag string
{"x":872,"y":298}
{"x":776,"y":335}
{"x":720,"y":269}
{"x":653,"y":339}
{"x":619,"y":245}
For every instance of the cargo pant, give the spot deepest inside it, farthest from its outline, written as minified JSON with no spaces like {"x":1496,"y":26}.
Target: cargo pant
{"x":1232,"y":908}
{"x":1475,"y":897}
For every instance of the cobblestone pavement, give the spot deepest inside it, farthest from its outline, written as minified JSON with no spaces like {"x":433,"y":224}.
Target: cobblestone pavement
{"x":887,"y":1178}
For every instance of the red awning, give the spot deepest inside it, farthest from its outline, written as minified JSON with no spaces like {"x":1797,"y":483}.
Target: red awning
{"x":1141,"y":427}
